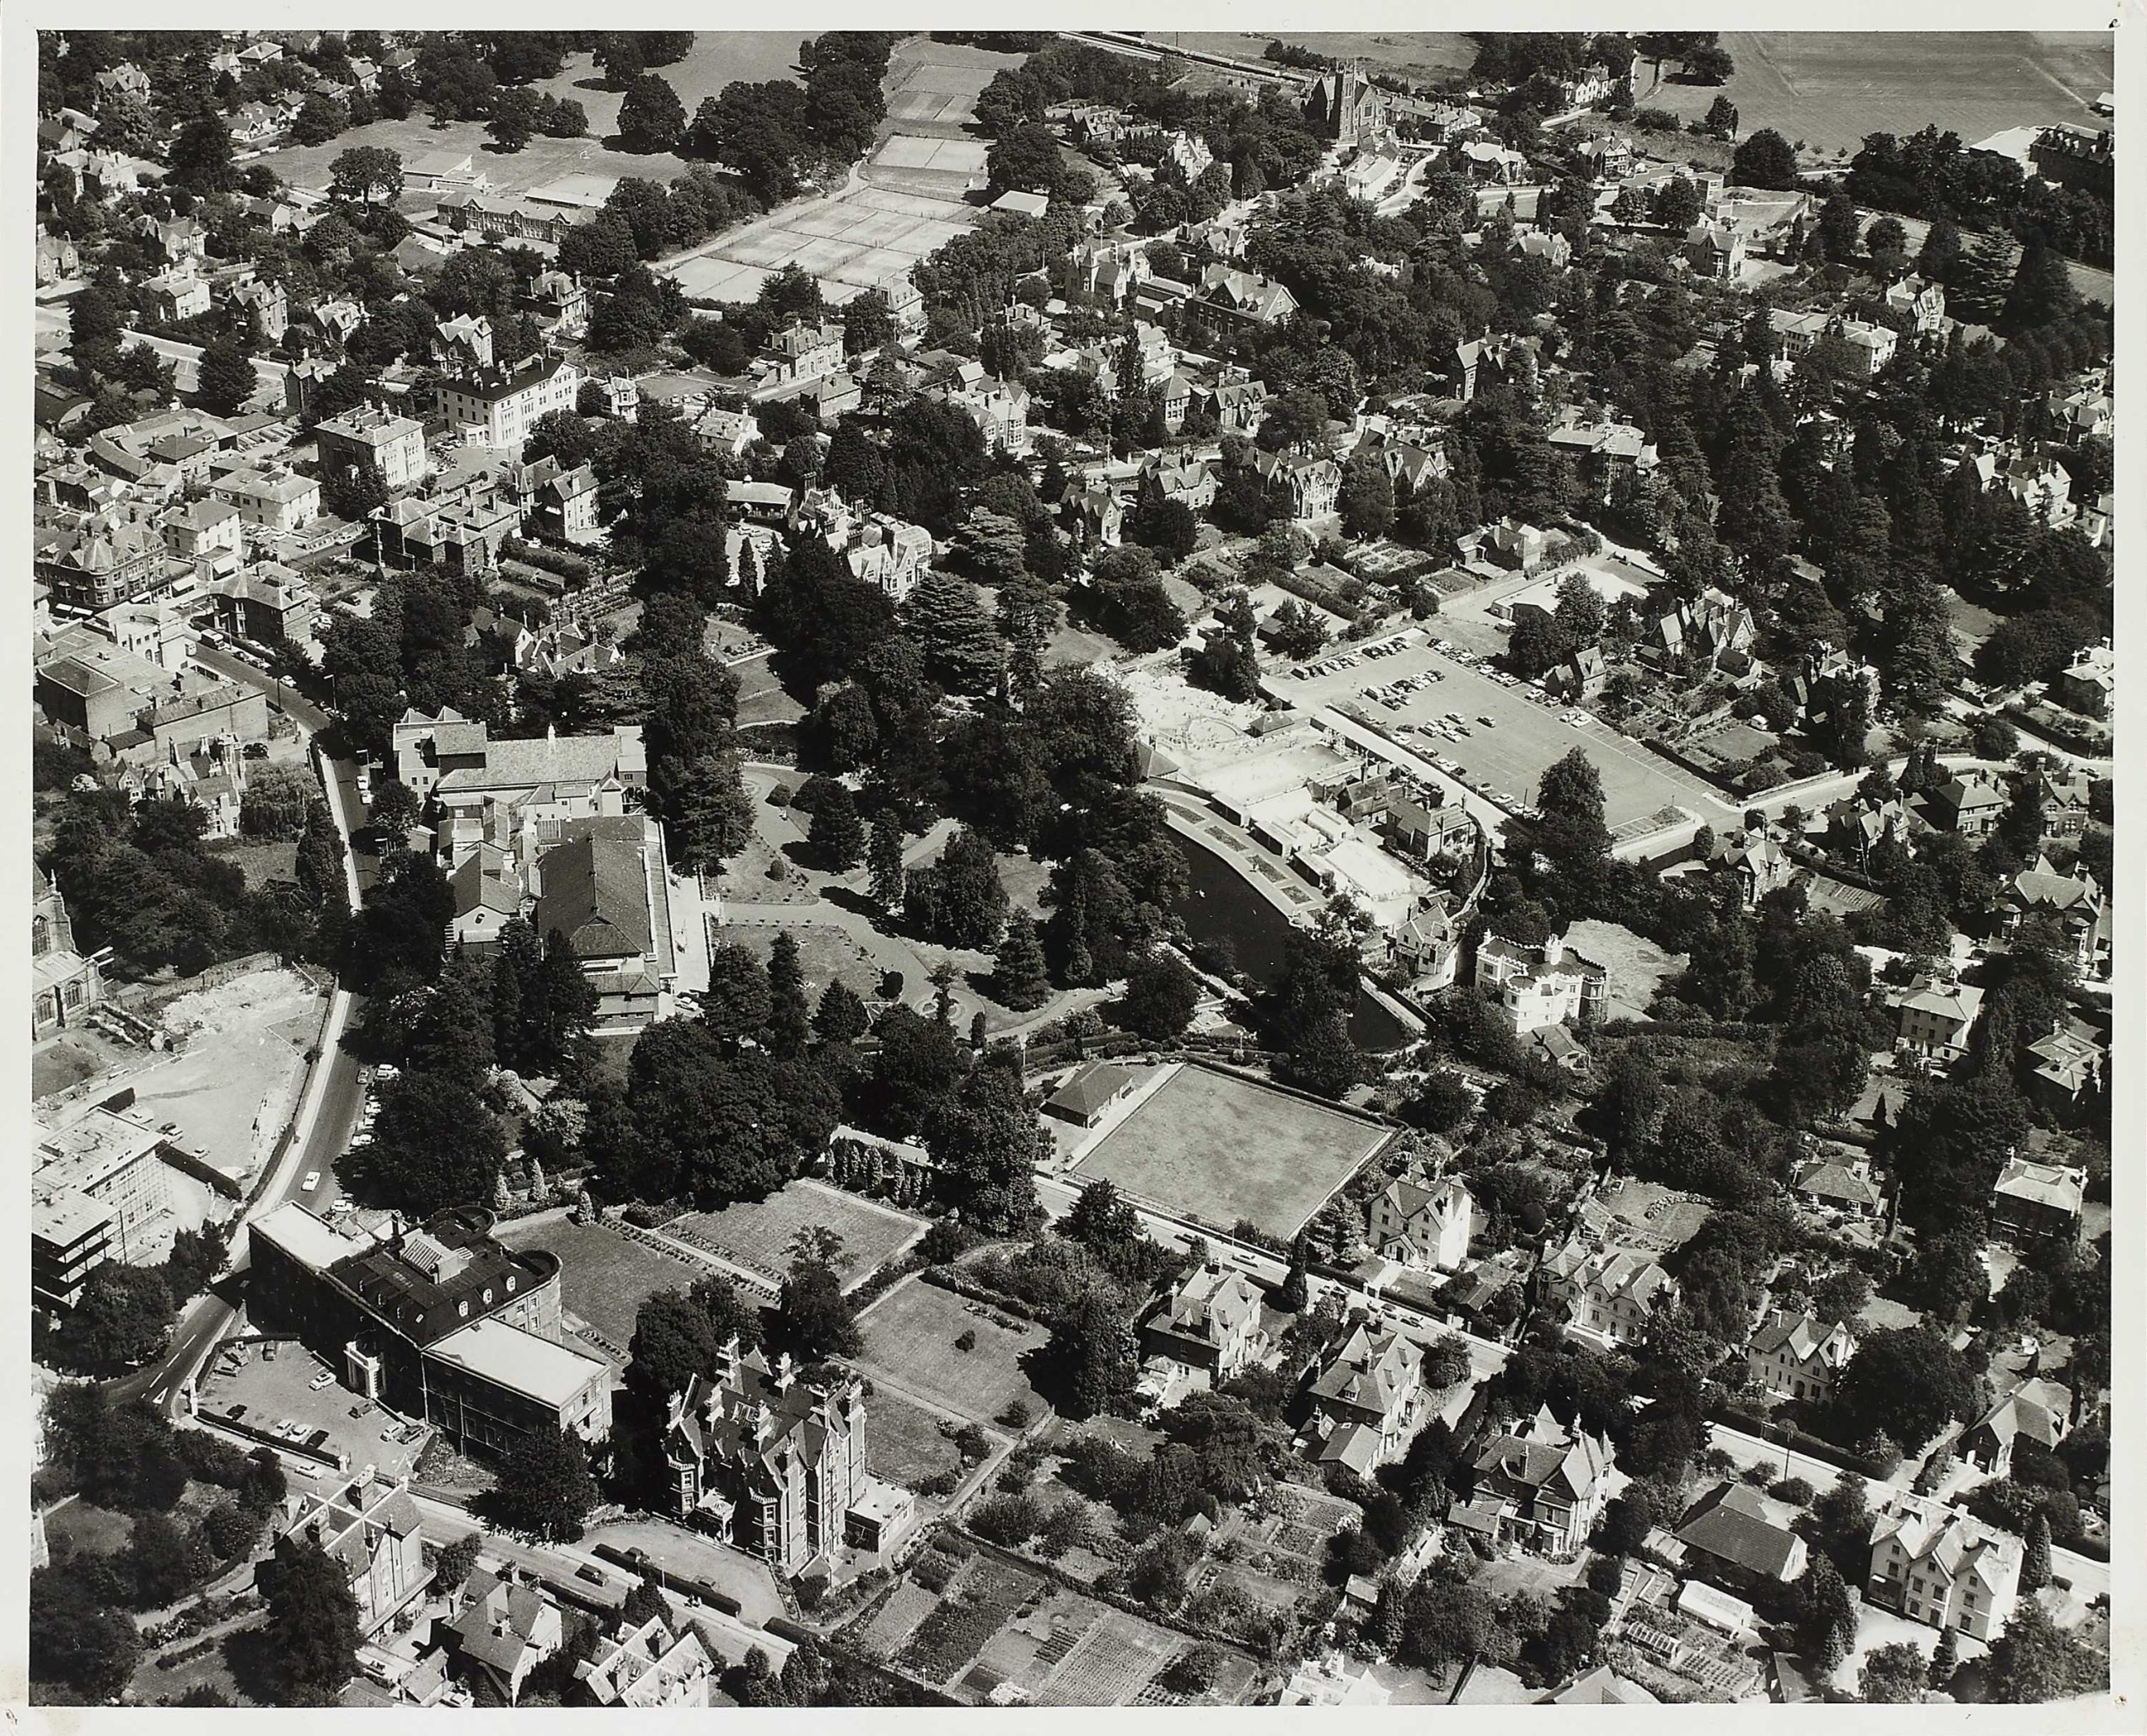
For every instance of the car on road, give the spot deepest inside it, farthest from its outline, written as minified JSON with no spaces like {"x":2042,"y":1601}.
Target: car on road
{"x":312,"y":1181}
{"x":319,"y":1380}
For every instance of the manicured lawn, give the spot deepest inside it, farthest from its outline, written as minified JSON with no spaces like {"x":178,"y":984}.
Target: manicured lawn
{"x":603,"y":1277}
{"x":757,"y":1235}
{"x":904,"y":1444}
{"x":1217,"y":1148}
{"x":910,"y":1335}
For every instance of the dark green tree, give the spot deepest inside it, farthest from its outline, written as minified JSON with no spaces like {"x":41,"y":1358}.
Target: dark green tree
{"x":1018,"y":978}
{"x":1092,"y":1351}
{"x":545,"y":1486}
{"x":836,"y":836}
{"x":312,"y":1620}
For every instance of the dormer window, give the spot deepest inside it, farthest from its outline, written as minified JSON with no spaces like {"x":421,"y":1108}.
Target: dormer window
{"x":488,"y":1296}
{"x":510,"y":1284}
{"x":462,"y":1307}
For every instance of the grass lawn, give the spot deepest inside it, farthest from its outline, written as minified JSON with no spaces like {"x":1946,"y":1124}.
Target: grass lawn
{"x":1418,"y":53}
{"x":758,"y":1234}
{"x":261,"y":863}
{"x":1637,"y":967}
{"x":903,"y":1443}
{"x":825,"y":952}
{"x":910,"y":1335}
{"x":1829,"y":88}
{"x":81,"y":1528}
{"x":604,"y":1278}
{"x":68,"y":1059}
{"x":1216,"y":1148}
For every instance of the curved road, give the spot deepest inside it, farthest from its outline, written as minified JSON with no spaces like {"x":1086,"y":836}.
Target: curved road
{"x":329,"y":1102}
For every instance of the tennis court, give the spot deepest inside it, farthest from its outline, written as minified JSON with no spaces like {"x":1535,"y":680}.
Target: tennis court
{"x":936,"y":107}
{"x":906,"y":150}
{"x":850,"y":241}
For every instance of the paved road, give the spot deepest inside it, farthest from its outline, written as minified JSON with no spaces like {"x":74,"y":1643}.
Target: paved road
{"x":328,"y":1102}
{"x":2089,"y":1578}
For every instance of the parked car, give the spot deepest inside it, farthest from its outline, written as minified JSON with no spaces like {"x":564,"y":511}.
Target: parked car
{"x":320,"y":1380}
{"x":268,"y":1350}
{"x":312,"y":1181}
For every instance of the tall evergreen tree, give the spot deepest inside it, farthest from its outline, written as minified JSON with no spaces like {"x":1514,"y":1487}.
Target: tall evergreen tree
{"x":790,"y":1021}
{"x":1092,"y":1347}
{"x":842,"y":1016}
{"x":1018,"y":971}
{"x":836,"y":836}
{"x":2035,"y":1564}
{"x":884,"y":864}
{"x":2041,"y":293}
{"x":1294,"y":1294}
{"x":568,"y":1005}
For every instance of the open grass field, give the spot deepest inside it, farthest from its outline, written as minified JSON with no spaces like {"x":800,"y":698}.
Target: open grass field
{"x":540,"y":161}
{"x":1637,"y":965}
{"x":757,"y":1234}
{"x":910,"y":1335}
{"x":1829,"y":88}
{"x":1216,"y":1148}
{"x":903,"y":1441}
{"x":603,"y":1277}
{"x":1413,"y":54}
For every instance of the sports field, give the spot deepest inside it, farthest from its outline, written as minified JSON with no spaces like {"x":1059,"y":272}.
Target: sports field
{"x":757,"y":1234}
{"x":850,"y":240}
{"x":910,"y":1335}
{"x":1214,"y":1147}
{"x":603,"y":1277}
{"x":1829,"y":88}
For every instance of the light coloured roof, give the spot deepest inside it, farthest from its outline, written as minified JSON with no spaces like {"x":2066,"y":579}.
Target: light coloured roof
{"x":519,"y":1361}
{"x":2045,"y":1184}
{"x":307,"y":1239}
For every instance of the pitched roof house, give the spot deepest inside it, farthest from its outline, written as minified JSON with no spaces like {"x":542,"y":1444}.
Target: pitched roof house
{"x":1797,"y":1356}
{"x":1941,"y":1567}
{"x":1544,"y":1487}
{"x":1733,"y":1534}
{"x":1424,"y":1226}
{"x":768,"y":1463}
{"x":1368,"y":1399}
{"x":1211,"y":1321}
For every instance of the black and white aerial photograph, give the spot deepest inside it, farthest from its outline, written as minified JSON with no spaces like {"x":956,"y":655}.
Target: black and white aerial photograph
{"x":1074,"y":868}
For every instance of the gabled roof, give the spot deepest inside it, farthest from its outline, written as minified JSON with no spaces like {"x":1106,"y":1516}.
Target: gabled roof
{"x":1732,"y":1524}
{"x":596,"y":893}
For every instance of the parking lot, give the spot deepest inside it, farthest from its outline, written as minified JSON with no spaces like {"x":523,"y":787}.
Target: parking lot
{"x":1493,"y":734}
{"x":280,"y":1389}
